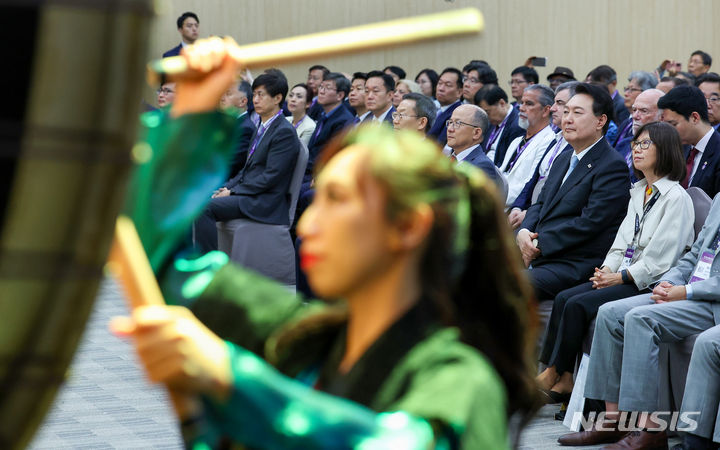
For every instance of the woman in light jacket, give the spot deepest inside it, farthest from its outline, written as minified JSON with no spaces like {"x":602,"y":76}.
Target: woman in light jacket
{"x":299,"y":100}
{"x":656,"y":231}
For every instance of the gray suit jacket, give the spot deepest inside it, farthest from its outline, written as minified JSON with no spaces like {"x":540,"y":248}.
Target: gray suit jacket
{"x":682,"y":272}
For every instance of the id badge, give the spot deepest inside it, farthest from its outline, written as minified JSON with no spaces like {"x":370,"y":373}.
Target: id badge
{"x":702,"y":270}
{"x":627,"y":259}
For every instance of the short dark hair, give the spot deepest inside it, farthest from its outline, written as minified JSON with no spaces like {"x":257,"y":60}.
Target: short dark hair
{"x":475,"y":62}
{"x":709,"y":77}
{"x":675,"y":81}
{"x":308,"y":92}
{"x":669,"y":158}
{"x":491,"y":94}
{"x":432,"y":75}
{"x":603,"y":74}
{"x":397,"y":71}
{"x":424,"y":107}
{"x":244,"y":87}
{"x":324,"y":69}
{"x":359,"y":76}
{"x":456,"y":72}
{"x":185,"y":15}
{"x":706,"y":59}
{"x":569,"y":86}
{"x":486,"y":74}
{"x":274,"y":84}
{"x":690,"y":77}
{"x":602,"y":102}
{"x":528,"y":73}
{"x":342,"y":84}
{"x":388,"y":81}
{"x":685,"y":100}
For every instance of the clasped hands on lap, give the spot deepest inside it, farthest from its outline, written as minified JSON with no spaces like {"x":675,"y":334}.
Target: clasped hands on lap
{"x":222,"y":192}
{"x":666,"y":292}
{"x":528,"y":248}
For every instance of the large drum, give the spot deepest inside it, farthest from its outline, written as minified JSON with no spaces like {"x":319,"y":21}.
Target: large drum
{"x":73,"y":74}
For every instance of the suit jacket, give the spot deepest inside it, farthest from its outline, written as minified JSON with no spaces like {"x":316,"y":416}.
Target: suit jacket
{"x":623,"y":132}
{"x":707,"y":175}
{"x":524,"y":199}
{"x":439,"y":130}
{"x":325,"y":129}
{"x":175,"y":51}
{"x":244,"y":132}
{"x":511,"y":131}
{"x":387,"y":119}
{"x":261,"y":187}
{"x":577,"y":221}
{"x":305,"y":130}
{"x":315,"y":111}
{"x":621,"y":112}
{"x":479,"y":159}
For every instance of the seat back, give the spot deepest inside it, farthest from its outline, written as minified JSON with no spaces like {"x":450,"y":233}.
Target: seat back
{"x":701,"y":204}
{"x":297,"y":179}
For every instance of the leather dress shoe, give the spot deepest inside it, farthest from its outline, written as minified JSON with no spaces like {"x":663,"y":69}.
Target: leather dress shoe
{"x":641,"y":440}
{"x":592,"y":437}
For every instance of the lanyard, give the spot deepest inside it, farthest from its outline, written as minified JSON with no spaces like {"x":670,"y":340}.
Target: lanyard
{"x":716,"y":242}
{"x":261,"y":133}
{"x":519,"y":152}
{"x":496,"y":132}
{"x":638,"y":221}
{"x":299,"y":122}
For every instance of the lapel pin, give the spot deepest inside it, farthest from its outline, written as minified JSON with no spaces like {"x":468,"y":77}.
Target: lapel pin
{"x":704,"y":165}
{"x":589,"y":166}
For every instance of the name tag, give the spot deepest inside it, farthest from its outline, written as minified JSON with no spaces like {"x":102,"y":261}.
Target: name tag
{"x":702,"y":270}
{"x":627,"y":259}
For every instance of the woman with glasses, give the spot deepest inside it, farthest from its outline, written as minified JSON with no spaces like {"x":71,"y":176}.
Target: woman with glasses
{"x":166,"y":94}
{"x":656,"y":231}
{"x":298,"y":102}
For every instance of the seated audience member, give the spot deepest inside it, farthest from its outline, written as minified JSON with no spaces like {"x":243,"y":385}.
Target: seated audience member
{"x":466,"y":129}
{"x":395,"y":72}
{"x":165,"y":94}
{"x":606,"y":76}
{"x":685,"y":108}
{"x":187,"y":25}
{"x":520,"y":78}
{"x":415,"y":112}
{"x":687,"y":76}
{"x":638,"y":81}
{"x":558,"y":146}
{"x":316,"y":74}
{"x":703,"y":397}
{"x":449,"y":92}
{"x":403,"y":87}
{"x":559,"y":76}
{"x":667,"y":83}
{"x":478,"y":75}
{"x":623,"y":369}
{"x":699,"y":63}
{"x":709,"y":84}
{"x":525,"y":152}
{"x":333,"y":119}
{"x":356,"y":98}
{"x":299,"y":100}
{"x":379,"y":89}
{"x":644,"y":110}
{"x":237,"y":97}
{"x":504,"y":121}
{"x":428,"y":80}
{"x":656,"y":231}
{"x":259,"y":190}
{"x":571,"y":227}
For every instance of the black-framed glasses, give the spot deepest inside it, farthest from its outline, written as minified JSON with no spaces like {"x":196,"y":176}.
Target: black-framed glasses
{"x":323,"y":87}
{"x":713,"y":99}
{"x":631,"y":89}
{"x":400,"y":116}
{"x":165,"y":91}
{"x":456,"y":124}
{"x":644,"y":144}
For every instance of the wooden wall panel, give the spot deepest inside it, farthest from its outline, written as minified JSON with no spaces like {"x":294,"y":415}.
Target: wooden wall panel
{"x":581,"y":34}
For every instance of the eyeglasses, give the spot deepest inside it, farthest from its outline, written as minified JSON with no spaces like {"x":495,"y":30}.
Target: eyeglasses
{"x":631,"y":89}
{"x":456,"y":124}
{"x":326,"y":88}
{"x":713,"y":99}
{"x":400,"y":116}
{"x":165,"y":91}
{"x":644,"y":145}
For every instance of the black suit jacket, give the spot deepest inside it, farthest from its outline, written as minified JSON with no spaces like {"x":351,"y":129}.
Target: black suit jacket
{"x":439,"y":130}
{"x":621,"y":112}
{"x":175,"y":51}
{"x":338,"y":119}
{"x":577,"y":222}
{"x":261,"y":187}
{"x":244,"y":132}
{"x":510,"y":132}
{"x":707,"y":175}
{"x":524,"y":200}
{"x":479,"y":159}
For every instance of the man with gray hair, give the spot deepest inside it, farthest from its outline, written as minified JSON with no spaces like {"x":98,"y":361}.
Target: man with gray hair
{"x":644,"y":110}
{"x":525,"y":152}
{"x":466,"y":130}
{"x":638,"y":81}
{"x":415,"y":112}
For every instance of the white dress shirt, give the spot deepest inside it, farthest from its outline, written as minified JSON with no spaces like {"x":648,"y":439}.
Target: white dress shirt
{"x":464,"y":154}
{"x":664,"y":235}
{"x":524,"y":167}
{"x":383,"y":115}
{"x":700,"y":146}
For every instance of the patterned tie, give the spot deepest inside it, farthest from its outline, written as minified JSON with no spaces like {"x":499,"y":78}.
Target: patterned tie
{"x":689,"y":166}
{"x":453,"y":157}
{"x":573,"y":162}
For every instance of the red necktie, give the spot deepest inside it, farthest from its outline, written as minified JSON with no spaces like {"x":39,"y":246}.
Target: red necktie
{"x":453,"y":158}
{"x":689,"y":166}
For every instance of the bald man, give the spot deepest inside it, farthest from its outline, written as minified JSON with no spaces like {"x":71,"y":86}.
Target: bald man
{"x":466,"y":130}
{"x":644,"y":110}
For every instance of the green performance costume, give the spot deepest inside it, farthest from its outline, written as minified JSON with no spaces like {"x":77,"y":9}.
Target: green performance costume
{"x":417,"y":387}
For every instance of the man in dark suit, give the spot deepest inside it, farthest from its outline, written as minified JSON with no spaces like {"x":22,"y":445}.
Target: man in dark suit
{"x":315,"y":77}
{"x":379,"y":88}
{"x":606,"y":76}
{"x":709,"y":84}
{"x":237,"y":98}
{"x":567,"y":233}
{"x":504,"y":120}
{"x":448,"y":93}
{"x":187,"y":25}
{"x":644,"y":110}
{"x":259,"y":190}
{"x":685,"y":108}
{"x":466,"y":131}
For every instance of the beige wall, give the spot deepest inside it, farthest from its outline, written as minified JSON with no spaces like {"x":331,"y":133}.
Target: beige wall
{"x":581,"y":34}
